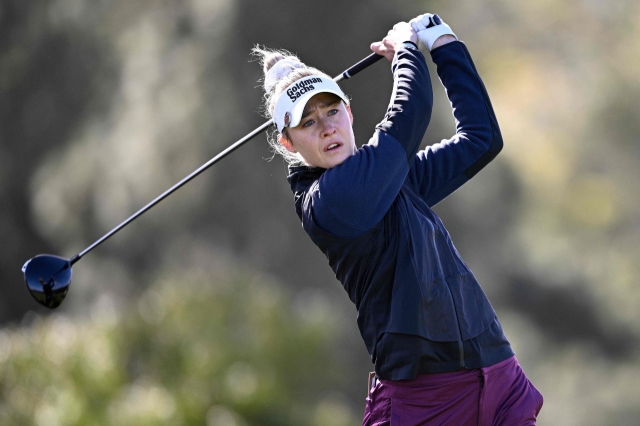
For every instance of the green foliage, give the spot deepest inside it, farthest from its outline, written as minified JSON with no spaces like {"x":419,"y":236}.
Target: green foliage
{"x":192,"y":350}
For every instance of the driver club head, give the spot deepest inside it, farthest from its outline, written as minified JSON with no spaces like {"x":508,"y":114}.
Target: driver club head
{"x":48,"y":278}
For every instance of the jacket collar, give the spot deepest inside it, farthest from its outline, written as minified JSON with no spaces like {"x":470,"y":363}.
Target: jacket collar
{"x":301,"y":177}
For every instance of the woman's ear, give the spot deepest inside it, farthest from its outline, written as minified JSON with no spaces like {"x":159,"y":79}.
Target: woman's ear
{"x":286,"y":143}
{"x":350,"y":113}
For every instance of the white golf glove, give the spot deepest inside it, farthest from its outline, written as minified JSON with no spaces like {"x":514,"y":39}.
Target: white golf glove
{"x":429,"y":27}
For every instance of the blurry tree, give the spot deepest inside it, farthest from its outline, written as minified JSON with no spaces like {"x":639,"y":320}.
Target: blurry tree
{"x":52,"y":78}
{"x":198,"y":347}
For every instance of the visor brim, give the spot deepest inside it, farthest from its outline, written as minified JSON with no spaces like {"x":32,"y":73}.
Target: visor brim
{"x":288,"y":113}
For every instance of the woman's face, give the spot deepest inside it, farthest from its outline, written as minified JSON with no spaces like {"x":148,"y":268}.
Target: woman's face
{"x":324,"y":138}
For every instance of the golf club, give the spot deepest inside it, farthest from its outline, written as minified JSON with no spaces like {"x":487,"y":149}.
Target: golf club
{"x":48,"y":276}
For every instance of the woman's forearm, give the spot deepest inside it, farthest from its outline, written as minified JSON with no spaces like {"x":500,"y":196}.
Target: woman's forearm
{"x":409,"y":110}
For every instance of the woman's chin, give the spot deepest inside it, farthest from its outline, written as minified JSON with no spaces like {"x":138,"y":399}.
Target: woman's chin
{"x":337,"y":160}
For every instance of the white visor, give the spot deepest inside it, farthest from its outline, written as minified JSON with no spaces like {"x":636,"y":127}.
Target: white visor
{"x":291,"y":103}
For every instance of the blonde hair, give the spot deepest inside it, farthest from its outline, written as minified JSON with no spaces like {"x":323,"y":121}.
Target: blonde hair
{"x":268,"y":58}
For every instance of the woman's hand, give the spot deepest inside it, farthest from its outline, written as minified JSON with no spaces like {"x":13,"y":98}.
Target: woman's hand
{"x":432,"y":32}
{"x":400,"y":33}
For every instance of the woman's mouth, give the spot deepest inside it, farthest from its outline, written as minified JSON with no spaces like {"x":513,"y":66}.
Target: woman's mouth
{"x":333,"y":146}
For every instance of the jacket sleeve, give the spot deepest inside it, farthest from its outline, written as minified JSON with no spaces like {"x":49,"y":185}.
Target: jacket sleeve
{"x":352,"y":197}
{"x":442,"y":168}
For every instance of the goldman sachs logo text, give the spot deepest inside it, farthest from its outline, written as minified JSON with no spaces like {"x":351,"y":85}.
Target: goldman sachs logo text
{"x":301,"y":87}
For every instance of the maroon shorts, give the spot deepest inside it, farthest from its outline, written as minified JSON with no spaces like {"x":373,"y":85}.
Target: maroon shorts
{"x":497,"y":395}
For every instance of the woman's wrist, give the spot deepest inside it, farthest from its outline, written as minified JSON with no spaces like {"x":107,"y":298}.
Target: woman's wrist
{"x":442,"y":40}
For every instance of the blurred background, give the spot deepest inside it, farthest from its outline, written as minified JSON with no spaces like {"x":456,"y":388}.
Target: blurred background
{"x":215,"y":308}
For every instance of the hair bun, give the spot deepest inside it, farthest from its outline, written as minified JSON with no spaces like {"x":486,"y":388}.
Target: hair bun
{"x":279,"y":69}
{"x":270,"y":59}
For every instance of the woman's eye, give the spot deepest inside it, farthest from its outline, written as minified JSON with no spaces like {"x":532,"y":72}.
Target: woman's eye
{"x":333,"y":111}
{"x":307,"y":123}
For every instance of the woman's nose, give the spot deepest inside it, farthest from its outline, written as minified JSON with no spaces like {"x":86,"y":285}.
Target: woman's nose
{"x":328,"y":128}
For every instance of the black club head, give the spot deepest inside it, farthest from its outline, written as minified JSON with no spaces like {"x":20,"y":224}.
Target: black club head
{"x":48,"y":278}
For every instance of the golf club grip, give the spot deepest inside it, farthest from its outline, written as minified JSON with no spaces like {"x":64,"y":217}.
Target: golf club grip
{"x":366,"y":62}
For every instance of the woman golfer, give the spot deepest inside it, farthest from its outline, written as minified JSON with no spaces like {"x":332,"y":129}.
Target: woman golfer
{"x":440,"y":355}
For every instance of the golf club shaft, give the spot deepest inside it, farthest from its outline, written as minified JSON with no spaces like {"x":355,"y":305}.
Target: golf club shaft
{"x":353,"y":70}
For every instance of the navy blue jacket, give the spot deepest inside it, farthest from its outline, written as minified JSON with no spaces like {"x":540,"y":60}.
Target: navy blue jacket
{"x":372,"y":217}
